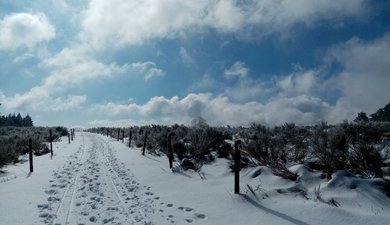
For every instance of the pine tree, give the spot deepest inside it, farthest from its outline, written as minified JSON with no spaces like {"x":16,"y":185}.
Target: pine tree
{"x":27,"y":121}
{"x":9,"y":120}
{"x":18,"y":120}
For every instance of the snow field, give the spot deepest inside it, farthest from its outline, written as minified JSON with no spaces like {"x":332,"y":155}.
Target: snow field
{"x":98,"y":180}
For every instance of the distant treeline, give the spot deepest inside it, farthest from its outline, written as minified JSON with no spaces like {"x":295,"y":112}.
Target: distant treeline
{"x":381,"y":115}
{"x":16,"y":120}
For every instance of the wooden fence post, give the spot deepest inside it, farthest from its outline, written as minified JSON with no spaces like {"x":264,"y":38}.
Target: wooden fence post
{"x":68,"y":137}
{"x":119,"y":131}
{"x":170,"y":152}
{"x":51,"y":143}
{"x":123,"y":135}
{"x":71,"y":134}
{"x":30,"y":156}
{"x":146,"y":136}
{"x":129,"y":137}
{"x":237,"y":160}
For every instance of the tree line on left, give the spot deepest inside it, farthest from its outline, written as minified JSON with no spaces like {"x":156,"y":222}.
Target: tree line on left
{"x":15,"y":131}
{"x":16,"y":120}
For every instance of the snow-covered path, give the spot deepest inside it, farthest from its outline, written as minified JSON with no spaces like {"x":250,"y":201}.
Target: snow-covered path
{"x":89,"y":181}
{"x":93,"y":187}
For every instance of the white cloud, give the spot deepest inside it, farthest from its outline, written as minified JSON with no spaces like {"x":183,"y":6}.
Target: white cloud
{"x":301,"y":109}
{"x":249,"y":88}
{"x":121,"y":22}
{"x":238,"y":69}
{"x":225,"y":16}
{"x":24,"y":30}
{"x":203,"y":84}
{"x":62,"y":78}
{"x":69,"y":103}
{"x":364,"y":79}
{"x":299,"y":82}
{"x":148,"y":69}
{"x":40,"y":101}
{"x":220,"y":110}
{"x":279,"y":16}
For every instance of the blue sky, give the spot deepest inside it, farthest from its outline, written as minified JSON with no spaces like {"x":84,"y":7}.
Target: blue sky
{"x":125,"y":62}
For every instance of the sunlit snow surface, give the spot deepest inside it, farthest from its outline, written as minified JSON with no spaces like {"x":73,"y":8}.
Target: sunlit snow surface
{"x":97,"y":180}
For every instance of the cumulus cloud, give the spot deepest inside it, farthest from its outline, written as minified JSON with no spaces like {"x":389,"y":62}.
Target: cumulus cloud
{"x":24,"y":30}
{"x":364,"y":77}
{"x":148,"y":69}
{"x":360,"y":83}
{"x":225,"y":16}
{"x":220,"y":110}
{"x":238,"y":69}
{"x":70,"y":102}
{"x":122,"y":22}
{"x":40,"y":100}
{"x":299,"y":82}
{"x":280,"y":16}
{"x":248,"y":88}
{"x":62,"y":78}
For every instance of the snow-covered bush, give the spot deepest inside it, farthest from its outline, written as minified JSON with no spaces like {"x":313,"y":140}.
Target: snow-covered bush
{"x":347,"y":146}
{"x":14,"y":141}
{"x":330,"y":148}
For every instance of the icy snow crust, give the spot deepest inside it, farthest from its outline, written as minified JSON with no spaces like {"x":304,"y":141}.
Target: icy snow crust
{"x":97,"y":180}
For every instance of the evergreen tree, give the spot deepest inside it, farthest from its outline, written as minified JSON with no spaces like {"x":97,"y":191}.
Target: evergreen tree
{"x":10,"y":120}
{"x":18,"y":120}
{"x":27,"y":121}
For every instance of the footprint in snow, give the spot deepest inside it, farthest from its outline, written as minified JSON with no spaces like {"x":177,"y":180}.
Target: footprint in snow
{"x":200,"y":215}
{"x":92,"y":219}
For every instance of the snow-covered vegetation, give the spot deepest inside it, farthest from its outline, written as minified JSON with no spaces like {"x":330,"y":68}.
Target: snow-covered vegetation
{"x":362,"y":148}
{"x":14,"y":141}
{"x":99,"y":180}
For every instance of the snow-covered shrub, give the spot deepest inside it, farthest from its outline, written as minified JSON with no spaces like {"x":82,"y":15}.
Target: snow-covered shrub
{"x":203,"y":140}
{"x":7,"y":153}
{"x":330,"y":148}
{"x":268,"y":147}
{"x":295,"y":140}
{"x":14,"y":141}
{"x":366,"y":160}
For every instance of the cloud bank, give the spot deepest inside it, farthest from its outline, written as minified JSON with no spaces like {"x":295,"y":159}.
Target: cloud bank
{"x":120,"y":22}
